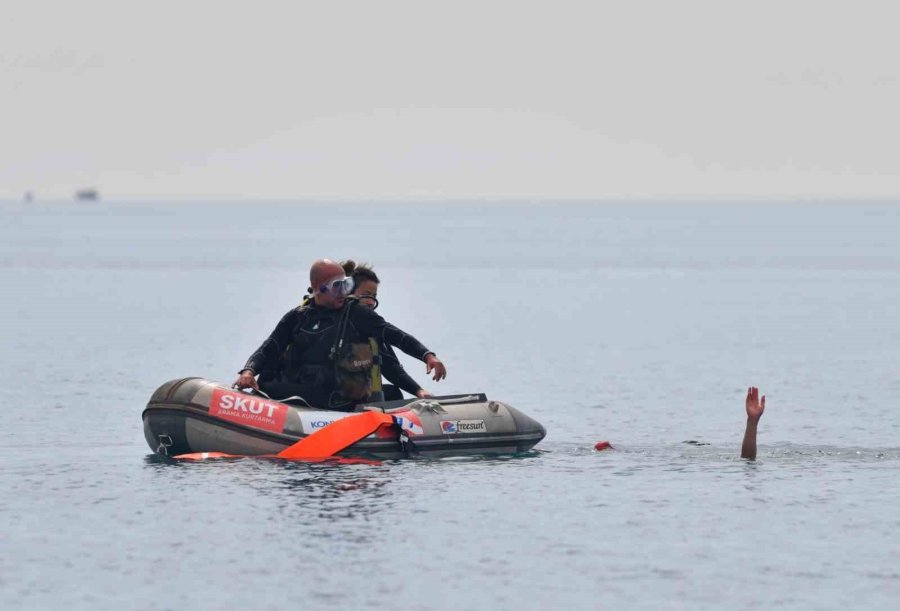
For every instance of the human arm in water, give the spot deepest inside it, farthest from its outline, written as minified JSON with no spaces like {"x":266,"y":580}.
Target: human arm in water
{"x":372,"y":325}
{"x":274,"y":345}
{"x":755,"y":409}
{"x":393,"y":371}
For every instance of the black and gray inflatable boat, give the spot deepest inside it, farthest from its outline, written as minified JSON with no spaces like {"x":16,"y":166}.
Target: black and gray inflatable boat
{"x":198,"y":415}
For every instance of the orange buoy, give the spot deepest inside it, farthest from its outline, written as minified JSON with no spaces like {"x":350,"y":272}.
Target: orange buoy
{"x":603,"y":445}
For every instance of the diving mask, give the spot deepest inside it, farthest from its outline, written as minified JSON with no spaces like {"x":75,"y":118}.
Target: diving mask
{"x":339,"y":287}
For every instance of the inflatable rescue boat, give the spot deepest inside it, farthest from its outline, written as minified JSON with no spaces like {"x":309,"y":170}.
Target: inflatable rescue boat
{"x":198,"y":415}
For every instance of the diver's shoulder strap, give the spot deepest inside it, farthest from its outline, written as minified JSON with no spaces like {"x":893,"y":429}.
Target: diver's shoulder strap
{"x":377,"y":392}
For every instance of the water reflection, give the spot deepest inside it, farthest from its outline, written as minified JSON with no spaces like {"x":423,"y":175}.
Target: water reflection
{"x":326,"y":489}
{"x":356,"y":495}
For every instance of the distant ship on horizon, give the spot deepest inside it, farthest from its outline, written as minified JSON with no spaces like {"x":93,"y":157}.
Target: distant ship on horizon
{"x":87,"y":195}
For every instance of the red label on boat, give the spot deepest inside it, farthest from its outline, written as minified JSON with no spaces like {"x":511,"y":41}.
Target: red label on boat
{"x":248,"y":410}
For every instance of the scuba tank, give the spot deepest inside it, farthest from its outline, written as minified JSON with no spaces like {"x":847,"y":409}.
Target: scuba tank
{"x":357,"y":372}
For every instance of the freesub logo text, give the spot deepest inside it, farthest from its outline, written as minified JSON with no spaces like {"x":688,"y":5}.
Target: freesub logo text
{"x":452,"y":427}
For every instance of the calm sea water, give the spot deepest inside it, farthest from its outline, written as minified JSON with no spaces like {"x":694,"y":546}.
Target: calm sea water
{"x":637,"y":323}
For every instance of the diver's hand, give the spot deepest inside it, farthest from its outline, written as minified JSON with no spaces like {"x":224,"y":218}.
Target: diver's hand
{"x":246,"y":380}
{"x":755,"y":405}
{"x":423,"y":394}
{"x":435,"y":364}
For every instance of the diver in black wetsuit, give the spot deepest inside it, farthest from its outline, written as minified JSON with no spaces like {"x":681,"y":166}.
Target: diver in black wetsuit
{"x":365,"y":282}
{"x":322,"y":348}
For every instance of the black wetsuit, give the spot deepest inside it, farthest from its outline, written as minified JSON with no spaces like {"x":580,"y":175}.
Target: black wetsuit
{"x":296,"y":358}
{"x":393,"y":371}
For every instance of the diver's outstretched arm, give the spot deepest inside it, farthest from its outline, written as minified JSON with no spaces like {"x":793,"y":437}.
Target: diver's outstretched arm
{"x":755,"y":409}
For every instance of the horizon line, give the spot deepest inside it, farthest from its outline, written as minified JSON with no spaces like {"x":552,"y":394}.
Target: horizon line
{"x":309,"y":199}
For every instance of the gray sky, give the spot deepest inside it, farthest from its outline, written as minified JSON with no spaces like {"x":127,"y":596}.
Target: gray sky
{"x":411,"y":99}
